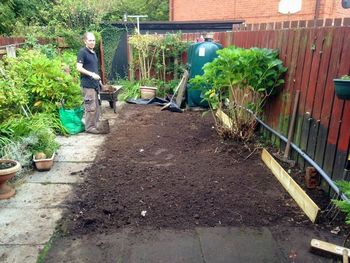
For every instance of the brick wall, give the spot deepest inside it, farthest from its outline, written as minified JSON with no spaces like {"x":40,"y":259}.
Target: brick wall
{"x":250,"y":11}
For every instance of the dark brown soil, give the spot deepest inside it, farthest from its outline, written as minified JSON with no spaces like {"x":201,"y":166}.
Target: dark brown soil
{"x":174,"y":168}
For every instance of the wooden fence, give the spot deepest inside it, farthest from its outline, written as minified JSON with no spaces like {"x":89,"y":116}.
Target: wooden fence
{"x":314,"y":57}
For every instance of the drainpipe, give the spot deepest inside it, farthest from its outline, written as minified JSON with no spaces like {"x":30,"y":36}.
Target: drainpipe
{"x":171,"y":10}
{"x":305,"y":156}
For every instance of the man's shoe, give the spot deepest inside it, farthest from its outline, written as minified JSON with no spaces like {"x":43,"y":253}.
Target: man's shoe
{"x":93,"y":131}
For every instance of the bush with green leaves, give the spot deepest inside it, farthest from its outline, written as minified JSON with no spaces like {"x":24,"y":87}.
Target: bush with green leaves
{"x":44,"y":80}
{"x":27,"y":135}
{"x":344,"y":205}
{"x":240,"y":79}
{"x":12,"y":99}
{"x":131,"y":90}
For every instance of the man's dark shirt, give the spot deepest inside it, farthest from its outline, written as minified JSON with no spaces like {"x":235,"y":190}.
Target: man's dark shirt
{"x":89,"y":61}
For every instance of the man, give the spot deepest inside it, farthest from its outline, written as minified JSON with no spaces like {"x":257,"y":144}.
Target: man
{"x":87,"y":65}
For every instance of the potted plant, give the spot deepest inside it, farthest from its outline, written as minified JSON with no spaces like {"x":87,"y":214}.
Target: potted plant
{"x":8,"y":169}
{"x":147,"y":92}
{"x":342,"y":87}
{"x":42,"y":162}
{"x":44,"y":150}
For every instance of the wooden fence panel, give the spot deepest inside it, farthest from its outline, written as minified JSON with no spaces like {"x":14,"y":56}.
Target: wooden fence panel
{"x":298,"y":79}
{"x":336,"y":153}
{"x":320,"y":91}
{"x":311,"y":91}
{"x":325,"y":118}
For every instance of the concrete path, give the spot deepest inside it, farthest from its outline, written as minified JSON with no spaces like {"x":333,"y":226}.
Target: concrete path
{"x":217,"y":245}
{"x":28,"y":220}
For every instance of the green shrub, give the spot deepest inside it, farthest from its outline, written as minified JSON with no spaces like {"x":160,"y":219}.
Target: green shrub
{"x":343,"y":205}
{"x":44,"y":80}
{"x":240,"y":79}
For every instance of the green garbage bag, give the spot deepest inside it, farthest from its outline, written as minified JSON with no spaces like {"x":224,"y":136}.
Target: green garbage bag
{"x":71,"y":119}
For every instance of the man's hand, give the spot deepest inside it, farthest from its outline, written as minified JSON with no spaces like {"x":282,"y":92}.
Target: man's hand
{"x":95,"y":76}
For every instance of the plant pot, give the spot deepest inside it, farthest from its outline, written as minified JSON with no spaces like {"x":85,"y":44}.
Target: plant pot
{"x":8,"y":169}
{"x":43,"y":164}
{"x":342,"y":88}
{"x":148,"y":93}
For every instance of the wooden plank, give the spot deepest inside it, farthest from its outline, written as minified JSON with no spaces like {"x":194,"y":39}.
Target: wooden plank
{"x":181,"y":88}
{"x":102,"y":62}
{"x":329,"y":247}
{"x":298,"y":79}
{"x":341,"y":154}
{"x":297,"y":193}
{"x":293,"y":52}
{"x":311,"y":91}
{"x":304,"y":90}
{"x":225,"y":120}
{"x":338,"y":37}
{"x":337,"y":111}
{"x":325,"y":53}
{"x":286,"y":51}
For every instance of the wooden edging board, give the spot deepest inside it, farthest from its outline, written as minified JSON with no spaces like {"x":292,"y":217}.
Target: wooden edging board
{"x":226,"y":120}
{"x":329,"y":247}
{"x":297,"y":193}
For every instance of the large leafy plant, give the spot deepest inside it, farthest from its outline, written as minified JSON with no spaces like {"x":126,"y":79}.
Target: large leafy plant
{"x":344,"y":205}
{"x":239,"y":80}
{"x":44,"y":80}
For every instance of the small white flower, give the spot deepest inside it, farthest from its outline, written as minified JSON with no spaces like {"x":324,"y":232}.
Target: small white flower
{"x":143,"y":213}
{"x":141,"y":150}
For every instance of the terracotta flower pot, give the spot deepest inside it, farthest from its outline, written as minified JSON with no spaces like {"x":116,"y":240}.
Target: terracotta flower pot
{"x":148,"y":93}
{"x":44,"y":164}
{"x":8,"y":169}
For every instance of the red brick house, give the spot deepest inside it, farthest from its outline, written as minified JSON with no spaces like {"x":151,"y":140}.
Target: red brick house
{"x":255,"y":11}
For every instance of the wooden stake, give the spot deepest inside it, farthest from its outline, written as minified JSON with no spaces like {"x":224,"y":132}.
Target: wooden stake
{"x":292,"y":122}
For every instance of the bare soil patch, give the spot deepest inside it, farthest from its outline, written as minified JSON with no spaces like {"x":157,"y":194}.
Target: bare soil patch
{"x":171,"y":170}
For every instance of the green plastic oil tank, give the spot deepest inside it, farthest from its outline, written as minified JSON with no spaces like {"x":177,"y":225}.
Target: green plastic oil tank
{"x":198,"y":55}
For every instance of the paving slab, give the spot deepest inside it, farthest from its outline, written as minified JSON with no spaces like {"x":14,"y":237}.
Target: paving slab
{"x":234,"y":244}
{"x":99,"y":248}
{"x":28,"y":226}
{"x":19,"y":253}
{"x":295,"y":243}
{"x":38,"y":196}
{"x":81,"y":139}
{"x":61,"y":172}
{"x":164,"y":246}
{"x":70,"y":153}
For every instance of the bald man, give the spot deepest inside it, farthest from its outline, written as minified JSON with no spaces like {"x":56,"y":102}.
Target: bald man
{"x":87,"y":65}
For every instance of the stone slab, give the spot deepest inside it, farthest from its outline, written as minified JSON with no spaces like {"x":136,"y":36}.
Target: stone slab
{"x":81,"y":140}
{"x":164,"y":246}
{"x":27,"y":226}
{"x":230,"y":244}
{"x":92,"y":249}
{"x":19,"y":253}
{"x":61,"y":172}
{"x":32,"y":195}
{"x":76,"y":154}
